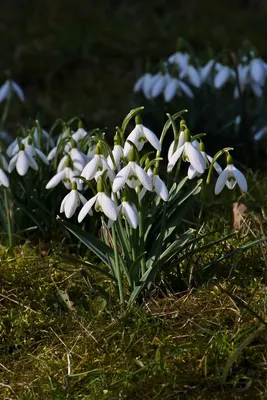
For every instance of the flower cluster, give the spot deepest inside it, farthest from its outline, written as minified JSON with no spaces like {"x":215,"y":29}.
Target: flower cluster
{"x":120,"y":178}
{"x":185,"y":76}
{"x":180,"y":77}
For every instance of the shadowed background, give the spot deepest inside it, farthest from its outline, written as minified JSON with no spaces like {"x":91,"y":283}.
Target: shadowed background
{"x":83,"y":57}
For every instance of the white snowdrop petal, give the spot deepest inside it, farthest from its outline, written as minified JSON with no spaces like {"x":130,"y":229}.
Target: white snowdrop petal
{"x":130,"y":214}
{"x":152,"y":138}
{"x":121,"y":178}
{"x":186,"y":89}
{"x":4,"y":179}
{"x":90,"y":169}
{"x":195,"y":157}
{"x":142,"y":176}
{"x":221,"y":77}
{"x":62,"y":205}
{"x":171,"y":89}
{"x":139,"y":84}
{"x":194,"y":76}
{"x":42,"y":156}
{"x":174,"y":158}
{"x":108,"y":206}
{"x":13,"y":162}
{"x":160,"y":188}
{"x":221,"y":181}
{"x":86,"y":208}
{"x":4,"y":90}
{"x":55,"y":180}
{"x":71,"y":204}
{"x":17,"y":89}
{"x":191,"y":172}
{"x":158,"y":87}
{"x":52,"y":154}
{"x":23,"y":163}
{"x":241,"y":180}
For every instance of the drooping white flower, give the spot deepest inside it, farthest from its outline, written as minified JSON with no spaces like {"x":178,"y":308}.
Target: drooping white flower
{"x":102,"y":203}
{"x":158,"y":186}
{"x":118,"y":156}
{"x":10,"y":87}
{"x":193,"y":76}
{"x":22,"y":160}
{"x":192,"y":173}
{"x":229,"y":177}
{"x":67,"y":176}
{"x":180,"y":59}
{"x":189,"y":153}
{"x":223,"y":75}
{"x":30,"y":149}
{"x":132,"y":175}
{"x":128,"y":211}
{"x":72,"y":201}
{"x":144,"y":83}
{"x":159,"y":84}
{"x":139,"y":135}
{"x":96,"y":167}
{"x":180,"y":144}
{"x":205,"y":71}
{"x":77,"y":157}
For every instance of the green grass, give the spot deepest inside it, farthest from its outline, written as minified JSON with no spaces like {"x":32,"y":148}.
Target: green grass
{"x":205,"y":342}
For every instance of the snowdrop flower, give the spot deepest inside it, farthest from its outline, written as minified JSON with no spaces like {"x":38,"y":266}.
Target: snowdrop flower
{"x":159,"y":84}
{"x":158,"y":186}
{"x":79,"y":134}
{"x":139,"y":135}
{"x":180,"y":144}
{"x":102,"y":203}
{"x":67,"y":176}
{"x":205,"y":71}
{"x":10,"y":87}
{"x":176,"y":86}
{"x":193,"y":76}
{"x":189,"y":153}
{"x":31,"y":150}
{"x":77,"y":157}
{"x":128,"y":211}
{"x":96,"y":167}
{"x":144,"y":83}
{"x":223,"y":75}
{"x":257,"y":71}
{"x":72,"y":201}
{"x":45,"y":134}
{"x":229,"y":177}
{"x":180,"y":59}
{"x":192,"y":173}
{"x":133,"y":175}
{"x":117,"y":154}
{"x":22,"y":160}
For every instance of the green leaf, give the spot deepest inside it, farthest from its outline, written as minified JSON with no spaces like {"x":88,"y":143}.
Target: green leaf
{"x":140,"y":286}
{"x":94,"y":244}
{"x":129,"y":116}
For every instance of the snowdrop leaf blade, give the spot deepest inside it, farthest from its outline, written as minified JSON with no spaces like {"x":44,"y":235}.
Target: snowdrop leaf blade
{"x":91,"y":242}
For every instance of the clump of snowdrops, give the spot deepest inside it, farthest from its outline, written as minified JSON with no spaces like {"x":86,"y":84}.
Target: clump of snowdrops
{"x":230,"y":86}
{"x":140,"y":201}
{"x":138,"y":197}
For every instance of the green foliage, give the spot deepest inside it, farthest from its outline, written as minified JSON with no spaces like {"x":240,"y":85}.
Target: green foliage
{"x":175,"y":346}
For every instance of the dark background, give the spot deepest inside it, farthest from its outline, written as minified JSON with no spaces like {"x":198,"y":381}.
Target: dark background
{"x":83,"y":57}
